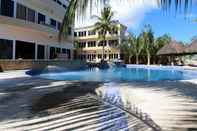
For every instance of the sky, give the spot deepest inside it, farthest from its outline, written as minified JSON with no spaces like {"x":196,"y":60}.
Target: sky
{"x":137,"y":13}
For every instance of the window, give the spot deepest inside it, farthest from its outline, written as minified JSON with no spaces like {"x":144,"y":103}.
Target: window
{"x":115,"y":56}
{"x":102,"y":43}
{"x":59,"y":2}
{"x":53,"y":23}
{"x":41,"y":52}
{"x":69,"y":53}
{"x":25,"y":50}
{"x":6,"y":47}
{"x":82,"y":33}
{"x":99,"y":56}
{"x":58,"y":25}
{"x":52,"y":53}
{"x":31,"y":15}
{"x":91,"y":33}
{"x":65,"y":7}
{"x":110,"y":56}
{"x":41,"y":18}
{"x":64,"y":51}
{"x":91,"y":43}
{"x":113,"y":43}
{"x":114,"y":32}
{"x":7,"y":8}
{"x":75,"y":34}
{"x":21,"y":12}
{"x":58,"y":50}
{"x":82,"y":44}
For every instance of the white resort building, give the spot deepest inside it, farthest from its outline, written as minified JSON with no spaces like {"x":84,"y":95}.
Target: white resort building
{"x":29,"y":29}
{"x":91,"y":47}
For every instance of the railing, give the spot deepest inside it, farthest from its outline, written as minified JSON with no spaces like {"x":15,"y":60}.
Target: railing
{"x":130,"y":109}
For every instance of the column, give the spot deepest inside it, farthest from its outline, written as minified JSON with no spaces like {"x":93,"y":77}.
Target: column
{"x":47,"y":52}
{"x":14,"y":50}
{"x":36,"y":51}
{"x":15,"y":8}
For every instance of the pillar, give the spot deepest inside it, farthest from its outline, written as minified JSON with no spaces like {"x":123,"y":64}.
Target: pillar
{"x":14,"y":50}
{"x":36,"y":51}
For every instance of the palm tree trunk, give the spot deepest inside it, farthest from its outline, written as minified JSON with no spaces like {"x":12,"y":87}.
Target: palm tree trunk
{"x":148,"y":58}
{"x":103,"y":48}
{"x":137,"y":59}
{"x":103,"y":52}
{"x":129,"y":59}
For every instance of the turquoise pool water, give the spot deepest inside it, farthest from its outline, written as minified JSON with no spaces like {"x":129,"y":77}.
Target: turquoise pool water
{"x":133,"y":73}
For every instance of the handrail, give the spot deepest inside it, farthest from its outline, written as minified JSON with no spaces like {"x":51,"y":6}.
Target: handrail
{"x":130,"y":109}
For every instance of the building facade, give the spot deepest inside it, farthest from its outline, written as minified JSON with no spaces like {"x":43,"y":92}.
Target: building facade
{"x":29,"y":29}
{"x":90,"y":47}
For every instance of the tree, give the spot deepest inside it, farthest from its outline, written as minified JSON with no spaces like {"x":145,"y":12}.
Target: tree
{"x":126,"y":50}
{"x":158,"y":44}
{"x":78,"y":7}
{"x":105,"y":24}
{"x":78,"y":48}
{"x":148,"y":41}
{"x":138,"y":48}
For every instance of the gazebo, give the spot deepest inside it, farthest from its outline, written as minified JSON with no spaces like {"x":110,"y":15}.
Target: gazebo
{"x":172,"y":50}
{"x":192,"y":48}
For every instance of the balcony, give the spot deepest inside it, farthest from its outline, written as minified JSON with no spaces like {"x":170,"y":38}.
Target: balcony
{"x":26,"y":24}
{"x":47,"y":7}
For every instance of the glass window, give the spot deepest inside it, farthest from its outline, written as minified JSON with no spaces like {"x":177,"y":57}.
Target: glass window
{"x":52,"y":53}
{"x":53,"y":22}
{"x":59,"y":2}
{"x":31,"y":15}
{"x":64,"y":6}
{"x":58,"y":25}
{"x":41,"y":18}
{"x":25,"y":50}
{"x":69,"y":53}
{"x":75,"y":34}
{"x":21,"y":12}
{"x":41,"y":52}
{"x":64,"y":51}
{"x":6,"y":49}
{"x":58,"y":50}
{"x":7,"y":8}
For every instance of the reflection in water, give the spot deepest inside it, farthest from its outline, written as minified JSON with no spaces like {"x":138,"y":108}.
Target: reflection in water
{"x":172,"y":106}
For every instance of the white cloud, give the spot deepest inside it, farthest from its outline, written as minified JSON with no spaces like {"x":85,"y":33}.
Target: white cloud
{"x":129,"y":12}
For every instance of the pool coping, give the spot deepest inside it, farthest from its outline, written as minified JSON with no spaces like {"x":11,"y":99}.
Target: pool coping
{"x":17,"y":74}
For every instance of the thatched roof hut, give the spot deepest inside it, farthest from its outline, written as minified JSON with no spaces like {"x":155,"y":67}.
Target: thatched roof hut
{"x":173,"y":48}
{"x":192,"y":48}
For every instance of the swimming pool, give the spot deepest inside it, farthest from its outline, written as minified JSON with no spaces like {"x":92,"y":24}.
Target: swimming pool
{"x":131,"y":73}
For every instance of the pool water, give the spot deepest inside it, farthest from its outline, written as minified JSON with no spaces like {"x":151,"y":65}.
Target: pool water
{"x":123,"y":74}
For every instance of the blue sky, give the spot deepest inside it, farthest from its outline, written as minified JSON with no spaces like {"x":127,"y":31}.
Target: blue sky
{"x":178,"y":27}
{"x":136,"y":13}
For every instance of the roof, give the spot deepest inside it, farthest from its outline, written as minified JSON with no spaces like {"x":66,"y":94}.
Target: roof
{"x":192,"y":48}
{"x":173,"y":48}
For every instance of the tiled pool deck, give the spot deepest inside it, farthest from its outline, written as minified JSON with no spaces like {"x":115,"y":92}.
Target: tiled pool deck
{"x":28,"y":103}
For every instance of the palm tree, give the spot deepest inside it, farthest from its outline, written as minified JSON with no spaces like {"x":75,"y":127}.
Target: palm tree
{"x":138,"y":48}
{"x":158,"y":44}
{"x":105,"y":24}
{"x":148,"y":40}
{"x":78,"y":48}
{"x":78,"y":7}
{"x":126,"y":50}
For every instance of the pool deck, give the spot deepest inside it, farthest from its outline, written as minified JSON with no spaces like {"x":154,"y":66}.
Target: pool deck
{"x":40,"y":103}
